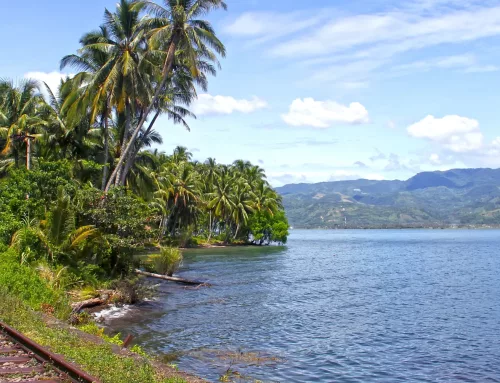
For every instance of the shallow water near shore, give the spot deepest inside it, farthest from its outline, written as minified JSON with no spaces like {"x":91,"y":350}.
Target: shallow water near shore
{"x":334,"y":306}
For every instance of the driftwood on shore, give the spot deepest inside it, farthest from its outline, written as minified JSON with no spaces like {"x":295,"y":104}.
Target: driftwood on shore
{"x":172,"y":279}
{"x":87,"y":303}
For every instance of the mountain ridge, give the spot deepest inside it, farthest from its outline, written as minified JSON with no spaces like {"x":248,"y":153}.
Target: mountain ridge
{"x":455,"y":197}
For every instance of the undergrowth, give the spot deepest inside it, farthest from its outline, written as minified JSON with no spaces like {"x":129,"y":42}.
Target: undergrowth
{"x":98,"y":360}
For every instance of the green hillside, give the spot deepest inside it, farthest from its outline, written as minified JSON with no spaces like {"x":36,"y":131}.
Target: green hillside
{"x":457,"y":197}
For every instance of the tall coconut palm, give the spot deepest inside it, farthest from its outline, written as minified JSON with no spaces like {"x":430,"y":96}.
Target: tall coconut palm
{"x":79,"y":102}
{"x":242,"y":204}
{"x":175,"y":29}
{"x":220,"y":199}
{"x":266,"y":200}
{"x":122,"y":80}
{"x":178,"y":186}
{"x":19,"y":116}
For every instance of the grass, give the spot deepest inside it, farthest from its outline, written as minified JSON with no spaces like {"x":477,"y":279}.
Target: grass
{"x":25,"y":283}
{"x":98,"y":360}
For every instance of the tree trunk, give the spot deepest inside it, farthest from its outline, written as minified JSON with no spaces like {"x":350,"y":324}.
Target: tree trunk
{"x":28,"y":153}
{"x":133,"y":155}
{"x":237,"y":229}
{"x":167,"y":68}
{"x":209,"y":225}
{"x":119,"y":167}
{"x":88,"y":303}
{"x":106,"y":153}
{"x":173,"y":279}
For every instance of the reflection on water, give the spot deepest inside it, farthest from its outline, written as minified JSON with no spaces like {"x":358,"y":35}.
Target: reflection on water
{"x":335,"y":306}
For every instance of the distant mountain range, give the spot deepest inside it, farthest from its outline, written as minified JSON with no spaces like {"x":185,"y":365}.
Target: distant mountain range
{"x":457,"y":197}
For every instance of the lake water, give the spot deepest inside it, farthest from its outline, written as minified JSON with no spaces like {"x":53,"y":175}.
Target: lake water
{"x":335,"y":306}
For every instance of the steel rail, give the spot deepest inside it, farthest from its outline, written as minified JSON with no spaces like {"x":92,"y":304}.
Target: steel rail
{"x":45,"y":356}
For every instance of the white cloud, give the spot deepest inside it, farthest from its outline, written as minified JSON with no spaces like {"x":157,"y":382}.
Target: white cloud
{"x":434,"y":159}
{"x":446,"y":62}
{"x":404,"y":30}
{"x":343,"y":175}
{"x":52,"y":79}
{"x":207,"y":104}
{"x":264,"y":26}
{"x":332,"y":37}
{"x":456,"y":133}
{"x":281,"y":178}
{"x":482,"y":69}
{"x":375,"y":176}
{"x":323,"y":114}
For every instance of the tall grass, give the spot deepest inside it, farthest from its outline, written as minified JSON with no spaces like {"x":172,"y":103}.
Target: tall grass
{"x":167,"y":262}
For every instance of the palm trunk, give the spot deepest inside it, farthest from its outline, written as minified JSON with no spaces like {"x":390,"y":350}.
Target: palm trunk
{"x":209,"y":225}
{"x":237,"y":229}
{"x":176,"y":217}
{"x":133,"y":155}
{"x":119,"y":167}
{"x":167,"y":68}
{"x":106,"y":153}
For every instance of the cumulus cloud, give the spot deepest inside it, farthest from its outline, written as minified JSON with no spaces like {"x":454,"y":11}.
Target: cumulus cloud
{"x":207,"y":104}
{"x":52,"y":79}
{"x":457,"y":134}
{"x":323,"y":114}
{"x":434,"y":159}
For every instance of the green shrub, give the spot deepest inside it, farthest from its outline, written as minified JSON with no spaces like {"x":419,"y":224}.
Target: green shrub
{"x":25,"y":283}
{"x":168,"y":261}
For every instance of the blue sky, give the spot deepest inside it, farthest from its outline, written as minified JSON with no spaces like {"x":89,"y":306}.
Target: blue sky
{"x":319,"y":90}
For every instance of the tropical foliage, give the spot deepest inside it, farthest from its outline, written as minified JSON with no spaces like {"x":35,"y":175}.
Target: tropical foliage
{"x":82,"y":189}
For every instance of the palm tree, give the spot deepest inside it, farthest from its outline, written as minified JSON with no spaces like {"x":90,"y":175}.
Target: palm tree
{"x":242,"y":205}
{"x":175,"y":29}
{"x":19,"y":116}
{"x":116,"y":73}
{"x":89,"y":62}
{"x":220,"y":199}
{"x":266,"y":200}
{"x":178,"y":187}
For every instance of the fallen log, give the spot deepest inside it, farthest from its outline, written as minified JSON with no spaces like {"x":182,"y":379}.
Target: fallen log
{"x":172,"y":279}
{"x":88,"y":303}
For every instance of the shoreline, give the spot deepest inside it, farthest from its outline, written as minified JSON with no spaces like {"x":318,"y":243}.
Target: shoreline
{"x":451,"y":227}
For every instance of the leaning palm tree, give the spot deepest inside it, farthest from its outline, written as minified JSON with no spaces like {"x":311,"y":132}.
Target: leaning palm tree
{"x":19,"y":116}
{"x":122,"y":81}
{"x":174,"y":29}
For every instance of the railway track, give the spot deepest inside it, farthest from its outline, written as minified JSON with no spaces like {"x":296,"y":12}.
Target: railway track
{"x":24,"y":361}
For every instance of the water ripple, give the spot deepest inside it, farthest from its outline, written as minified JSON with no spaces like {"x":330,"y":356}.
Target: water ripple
{"x":337,"y":306}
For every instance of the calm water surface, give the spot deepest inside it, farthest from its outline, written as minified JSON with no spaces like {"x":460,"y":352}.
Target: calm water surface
{"x":336,"y":306}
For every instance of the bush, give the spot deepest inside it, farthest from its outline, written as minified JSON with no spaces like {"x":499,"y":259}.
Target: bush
{"x":168,"y":261}
{"x":25,"y":283}
{"x":123,"y":222}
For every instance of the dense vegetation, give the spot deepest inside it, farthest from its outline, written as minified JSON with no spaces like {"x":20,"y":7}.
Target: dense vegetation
{"x":82,"y":191}
{"x":458,"y":197}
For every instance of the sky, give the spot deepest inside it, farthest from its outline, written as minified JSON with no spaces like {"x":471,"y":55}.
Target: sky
{"x":319,"y":90}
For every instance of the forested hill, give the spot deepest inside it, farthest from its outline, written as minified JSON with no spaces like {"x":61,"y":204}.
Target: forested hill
{"x":457,"y":197}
